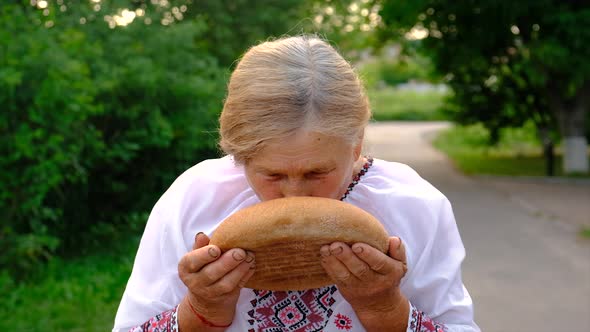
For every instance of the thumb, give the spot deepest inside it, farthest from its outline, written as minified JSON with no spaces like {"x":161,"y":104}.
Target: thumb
{"x":397,"y":251}
{"x":201,"y":240}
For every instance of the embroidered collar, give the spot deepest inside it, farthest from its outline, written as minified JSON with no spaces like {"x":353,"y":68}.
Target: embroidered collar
{"x":357,"y":178}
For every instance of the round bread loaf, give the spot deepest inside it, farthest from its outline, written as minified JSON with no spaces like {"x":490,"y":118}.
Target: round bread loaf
{"x":286,"y":235}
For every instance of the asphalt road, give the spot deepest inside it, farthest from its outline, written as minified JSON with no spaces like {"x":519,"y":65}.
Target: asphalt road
{"x":525,"y":272}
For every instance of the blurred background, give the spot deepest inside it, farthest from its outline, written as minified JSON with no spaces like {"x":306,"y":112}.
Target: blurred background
{"x":104,"y":103}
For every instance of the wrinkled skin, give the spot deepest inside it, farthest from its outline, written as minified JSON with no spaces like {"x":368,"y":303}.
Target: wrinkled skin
{"x":214,"y":280}
{"x":367,"y":278}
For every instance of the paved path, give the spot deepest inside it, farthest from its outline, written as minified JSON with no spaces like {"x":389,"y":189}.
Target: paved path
{"x":524,"y":270}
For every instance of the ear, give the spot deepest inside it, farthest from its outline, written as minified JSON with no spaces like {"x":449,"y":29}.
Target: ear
{"x":358,"y":148}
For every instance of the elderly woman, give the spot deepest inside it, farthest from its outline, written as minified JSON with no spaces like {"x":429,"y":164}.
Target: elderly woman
{"x":293,"y":125}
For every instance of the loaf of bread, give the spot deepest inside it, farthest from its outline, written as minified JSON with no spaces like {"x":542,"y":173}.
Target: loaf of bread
{"x":286,"y":235}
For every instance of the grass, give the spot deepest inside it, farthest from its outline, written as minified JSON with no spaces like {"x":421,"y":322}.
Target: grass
{"x":518,"y":153}
{"x":498,"y":165}
{"x":585,"y":232}
{"x":79,"y":294}
{"x":389,"y":104}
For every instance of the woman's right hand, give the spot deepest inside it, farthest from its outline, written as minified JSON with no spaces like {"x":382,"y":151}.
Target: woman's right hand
{"x":214,"y":279}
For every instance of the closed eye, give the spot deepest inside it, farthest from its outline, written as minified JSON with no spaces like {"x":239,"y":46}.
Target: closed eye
{"x":317,"y":174}
{"x":273,"y":176}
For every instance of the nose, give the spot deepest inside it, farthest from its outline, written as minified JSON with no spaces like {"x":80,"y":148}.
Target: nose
{"x":295,"y":187}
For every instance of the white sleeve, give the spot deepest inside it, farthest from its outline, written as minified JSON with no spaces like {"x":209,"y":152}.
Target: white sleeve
{"x":436,"y":291}
{"x":184,"y":209}
{"x":154,"y":285}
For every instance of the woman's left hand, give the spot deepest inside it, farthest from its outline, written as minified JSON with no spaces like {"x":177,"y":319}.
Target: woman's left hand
{"x":369,"y":279}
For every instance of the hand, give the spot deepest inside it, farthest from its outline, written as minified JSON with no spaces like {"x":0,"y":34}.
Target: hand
{"x":367,"y":278}
{"x":214,"y":279}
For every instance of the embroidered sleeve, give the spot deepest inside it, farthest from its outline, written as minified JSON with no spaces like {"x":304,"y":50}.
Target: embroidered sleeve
{"x":420,"y":322}
{"x":164,"y":322}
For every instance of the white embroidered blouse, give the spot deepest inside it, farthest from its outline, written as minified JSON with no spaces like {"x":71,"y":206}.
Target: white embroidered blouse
{"x":203,"y":196}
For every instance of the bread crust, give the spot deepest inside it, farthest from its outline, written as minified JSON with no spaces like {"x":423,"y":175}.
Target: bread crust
{"x":286,"y":235}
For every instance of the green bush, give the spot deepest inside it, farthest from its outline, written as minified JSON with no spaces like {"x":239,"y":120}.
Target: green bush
{"x":390,"y":104}
{"x":381,"y":72}
{"x":95,"y":124}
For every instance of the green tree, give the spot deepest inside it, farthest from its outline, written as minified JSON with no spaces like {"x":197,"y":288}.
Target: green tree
{"x":348,"y":24}
{"x":95,"y":124}
{"x":232,"y":26}
{"x":104,"y":103}
{"x":236,"y":25}
{"x":509,"y":62}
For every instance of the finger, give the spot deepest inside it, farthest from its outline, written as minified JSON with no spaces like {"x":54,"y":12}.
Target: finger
{"x":375,"y":259}
{"x":397,"y":249}
{"x":335,"y":269}
{"x":195,"y":260}
{"x":247,"y":277}
{"x":354,"y":264}
{"x":228,"y":261}
{"x":201,"y":240}
{"x":234,"y":279}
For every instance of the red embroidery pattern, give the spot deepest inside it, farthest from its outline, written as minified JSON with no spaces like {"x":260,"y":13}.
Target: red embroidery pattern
{"x":419,"y":322}
{"x":358,"y":177}
{"x":297,"y":311}
{"x":343,"y":322}
{"x":164,"y":322}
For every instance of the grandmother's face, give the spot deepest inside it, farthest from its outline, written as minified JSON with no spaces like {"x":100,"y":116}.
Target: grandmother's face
{"x":305,"y":164}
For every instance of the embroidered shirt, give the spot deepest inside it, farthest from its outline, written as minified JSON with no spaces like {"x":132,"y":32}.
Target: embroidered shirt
{"x":407,"y":206}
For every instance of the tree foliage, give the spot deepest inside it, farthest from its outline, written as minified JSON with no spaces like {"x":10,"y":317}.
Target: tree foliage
{"x":507,"y":61}
{"x":348,"y":24}
{"x":104,"y":103}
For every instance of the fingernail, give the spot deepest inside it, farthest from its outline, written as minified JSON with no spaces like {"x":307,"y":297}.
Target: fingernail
{"x":357,"y":249}
{"x":213,"y":252}
{"x":237,"y":255}
{"x":197,"y":236}
{"x":249,"y":257}
{"x":336,"y":251}
{"x":400,"y":243}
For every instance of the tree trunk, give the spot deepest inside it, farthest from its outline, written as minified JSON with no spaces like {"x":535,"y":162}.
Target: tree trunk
{"x":548,"y":150}
{"x":571,"y":116}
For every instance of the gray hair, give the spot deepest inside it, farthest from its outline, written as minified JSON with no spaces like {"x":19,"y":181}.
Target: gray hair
{"x":283,"y":86}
